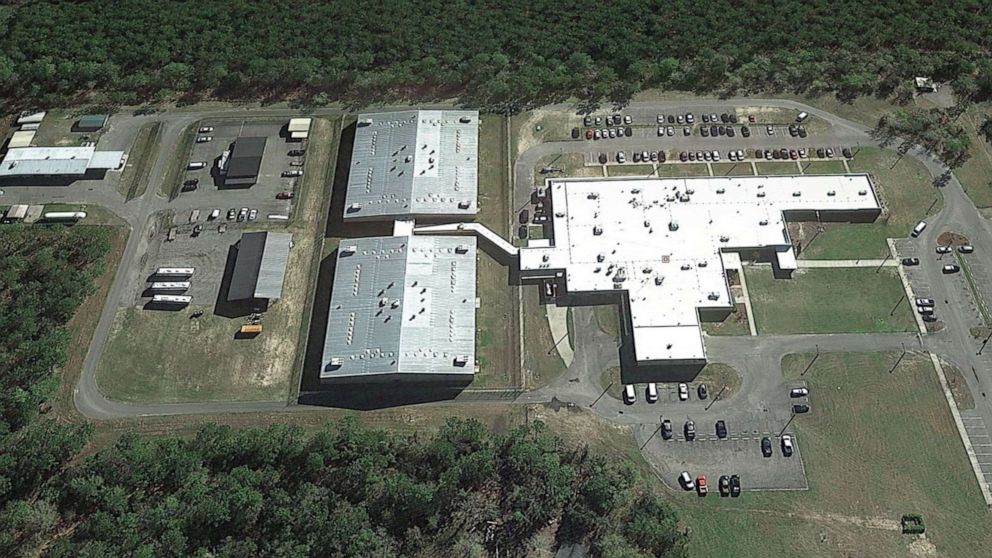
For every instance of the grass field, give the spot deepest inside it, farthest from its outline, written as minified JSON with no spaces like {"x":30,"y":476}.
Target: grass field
{"x":608,"y":319}
{"x":134,"y":178}
{"x":157,"y":356}
{"x":610,"y":381}
{"x":497,"y":317}
{"x":733,"y":324}
{"x":829,"y":300}
{"x":823,"y":167}
{"x":976,"y":173}
{"x":541,"y":360}
{"x":908,"y":193}
{"x":630,"y":170}
{"x":777,"y":168}
{"x":180,"y":156}
{"x":732,"y":169}
{"x":876,"y":445}
{"x":572,"y":165}
{"x":719,"y":376}
{"x":678,"y":169}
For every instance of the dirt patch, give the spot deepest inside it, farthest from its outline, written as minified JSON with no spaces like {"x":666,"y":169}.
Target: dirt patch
{"x":922,"y":546}
{"x":959,"y":387}
{"x":948,"y":238}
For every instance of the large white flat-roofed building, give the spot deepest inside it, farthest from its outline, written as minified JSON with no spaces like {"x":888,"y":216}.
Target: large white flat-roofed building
{"x":414,"y":164}
{"x":59,"y":161}
{"x":662,"y":242}
{"x":402,"y":310}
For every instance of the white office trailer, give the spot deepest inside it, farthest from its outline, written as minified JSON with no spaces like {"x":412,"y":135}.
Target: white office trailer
{"x":170,"y":285}
{"x":177,"y":300}
{"x":174,"y":271}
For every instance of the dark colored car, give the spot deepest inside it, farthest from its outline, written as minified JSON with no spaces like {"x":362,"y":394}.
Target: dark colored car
{"x":724,"y":485}
{"x":661,"y":157}
{"x":733,"y":117}
{"x":713,"y":131}
{"x":911,"y":261}
{"x":735,"y":485}
{"x":730,"y":132}
{"x":575,"y":133}
{"x":666,"y":429}
{"x":802,"y":131}
{"x":821,"y":153}
{"x":683,"y":156}
{"x":191,"y":182}
{"x":284,"y":196}
{"x":704,"y":131}
{"x":724,"y":117}
{"x":524,"y":217}
{"x":671,"y":119}
{"x":745,"y":131}
{"x":690,"y":430}
{"x":846,"y":152}
{"x":721,"y":429}
{"x":766,"y":446}
{"x":603,"y":158}
{"x":522,"y":232}
{"x":297,"y":152}
{"x":628,"y":131}
{"x":702,"y":391}
{"x":800,"y":408}
{"x":759,"y":154}
{"x":776,"y":154}
{"x":722,"y":130}
{"x":793,"y":130}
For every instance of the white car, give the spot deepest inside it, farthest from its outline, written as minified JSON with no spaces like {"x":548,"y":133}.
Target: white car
{"x":652,"y":392}
{"x":786,"y":445}
{"x":214,"y":214}
{"x":686,"y":481}
{"x":252,"y":214}
{"x":629,"y":395}
{"x":799,"y":392}
{"x":925,"y":302}
{"x":944,"y":249}
{"x":919,"y":228}
{"x":204,"y":139}
{"x":661,"y":131}
{"x":683,"y":392}
{"x":206,"y":129}
{"x":293,"y":172}
{"x":966,"y":248}
{"x":627,"y":119}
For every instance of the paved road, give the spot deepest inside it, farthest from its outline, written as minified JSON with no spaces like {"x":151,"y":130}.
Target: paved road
{"x":954,"y":345}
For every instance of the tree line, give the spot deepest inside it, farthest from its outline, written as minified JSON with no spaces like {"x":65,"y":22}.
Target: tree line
{"x":505,"y":55}
{"x":343,"y":491}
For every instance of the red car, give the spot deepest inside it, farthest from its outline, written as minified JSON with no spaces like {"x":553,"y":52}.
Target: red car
{"x":701,"y":485}
{"x":588,"y":134}
{"x":284,"y":196}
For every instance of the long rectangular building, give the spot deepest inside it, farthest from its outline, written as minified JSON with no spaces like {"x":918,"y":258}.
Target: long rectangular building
{"x":402,"y":309}
{"x":414,"y":164}
{"x":58,"y":161}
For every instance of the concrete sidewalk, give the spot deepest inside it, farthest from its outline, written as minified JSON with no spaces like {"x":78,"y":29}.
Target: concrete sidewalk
{"x":889,"y":262}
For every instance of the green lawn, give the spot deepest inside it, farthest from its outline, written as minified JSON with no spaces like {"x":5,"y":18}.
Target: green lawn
{"x":608,"y":319}
{"x":777,"y":168}
{"x":135,"y":177}
{"x":877,"y":444}
{"x":733,"y":169}
{"x":823,"y":167}
{"x":687,"y":169}
{"x":907,"y":191}
{"x":497,"y":316}
{"x":541,"y":359}
{"x":734,"y":324}
{"x":976,"y":173}
{"x":829,"y":300}
{"x":630,"y":170}
{"x":184,"y":146}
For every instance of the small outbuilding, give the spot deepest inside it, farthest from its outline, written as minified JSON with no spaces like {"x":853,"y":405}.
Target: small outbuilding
{"x":925,"y":85}
{"x":92,"y":122}
{"x":21,"y":138}
{"x":30,"y":117}
{"x":16,"y":213}
{"x":299,"y":128}
{"x":260,"y":267}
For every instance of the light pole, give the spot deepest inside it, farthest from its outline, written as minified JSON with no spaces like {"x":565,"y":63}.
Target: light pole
{"x":787,"y":423}
{"x":810,"y":365}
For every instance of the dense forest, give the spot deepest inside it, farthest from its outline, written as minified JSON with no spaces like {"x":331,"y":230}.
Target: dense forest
{"x":343,"y":491}
{"x":505,"y":54}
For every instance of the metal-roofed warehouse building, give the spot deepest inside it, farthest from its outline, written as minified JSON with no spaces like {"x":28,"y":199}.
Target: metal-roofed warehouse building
{"x":59,"y":161}
{"x":246,"y":159}
{"x":402,"y":310}
{"x":260,"y":267}
{"x":414,"y":164}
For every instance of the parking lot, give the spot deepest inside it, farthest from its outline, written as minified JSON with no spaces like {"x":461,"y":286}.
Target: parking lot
{"x":212,"y":193}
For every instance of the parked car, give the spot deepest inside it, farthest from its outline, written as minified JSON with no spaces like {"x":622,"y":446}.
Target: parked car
{"x":206,"y":129}
{"x":966,"y":248}
{"x":793,"y":130}
{"x":721,"y":429}
{"x":661,"y":131}
{"x":683,"y":392}
{"x":800,"y":408}
{"x":846,"y":152}
{"x":686,"y":481}
{"x":745,"y":131}
{"x":802,"y":131}
{"x":252,"y":214}
{"x":522,"y":232}
{"x":830,"y":152}
{"x":798,"y":392}
{"x":575,"y":133}
{"x":191,"y":182}
{"x":722,"y":130}
{"x":730,"y":132}
{"x":735,"y":485}
{"x":284,"y":196}
{"x":786,"y":445}
{"x":636,"y":157}
{"x":204,"y":139}
{"x":820,"y":152}
{"x":645,"y":156}
{"x":661,"y":119}
{"x":714,"y":117}
{"x":929,"y":317}
{"x":950,"y":268}
{"x":701,"y":485}
{"x":596,"y":134}
{"x":524,"y":216}
{"x":714,"y":131}
{"x":766,"y":446}
{"x":802,"y":116}
{"x":598,"y":121}
{"x":706,"y":118}
{"x":671,"y":119}
{"x":671,"y":131}
{"x":627,"y":119}
{"x":231,"y":213}
{"x":918,"y":229}
{"x":189,"y":186}
{"x":195,"y":165}
{"x":603,"y":158}
{"x":925,"y":302}
{"x":689,"y":118}
{"x":666,"y":429}
{"x":701,"y":391}
{"x":683,"y":156}
{"x":661,"y":157}
{"x":911,"y":261}
{"x":802,"y":153}
{"x":654,"y":157}
{"x":944,"y":249}
{"x":724,"y":117}
{"x":770,"y":129}
{"x":587,"y":121}
{"x":629,"y":395}
{"x":243,"y":214}
{"x":621,"y":158}
{"x":733,"y":117}
{"x":589,"y":134}
{"x":704,"y":131}
{"x":292,"y":172}
{"x":690,"y":430}
{"x":612,"y":133}
{"x":724,"y":485}
{"x":680,"y":119}
{"x":686,"y":130}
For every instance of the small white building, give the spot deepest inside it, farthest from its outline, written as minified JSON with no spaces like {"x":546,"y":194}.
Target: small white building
{"x":299,"y":128}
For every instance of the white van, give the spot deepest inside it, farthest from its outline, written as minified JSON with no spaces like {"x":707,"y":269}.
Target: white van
{"x":629,"y":396}
{"x":214,"y":214}
{"x":802,"y":116}
{"x":197,"y":165}
{"x":919,"y":228}
{"x":652,"y":392}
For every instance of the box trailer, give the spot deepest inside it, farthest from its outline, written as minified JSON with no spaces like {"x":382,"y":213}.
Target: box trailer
{"x":251,"y":328}
{"x":175,"y":271}
{"x":64,"y":215}
{"x":170,"y":285}
{"x":178,"y":300}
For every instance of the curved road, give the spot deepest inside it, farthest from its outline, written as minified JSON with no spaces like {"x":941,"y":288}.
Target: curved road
{"x":953,"y":345}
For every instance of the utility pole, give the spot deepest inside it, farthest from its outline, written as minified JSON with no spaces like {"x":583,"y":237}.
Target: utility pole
{"x":716,"y":397}
{"x":898,"y":302}
{"x":899,"y":359}
{"x":810,"y":365}
{"x":792,"y":416}
{"x":885,"y":259}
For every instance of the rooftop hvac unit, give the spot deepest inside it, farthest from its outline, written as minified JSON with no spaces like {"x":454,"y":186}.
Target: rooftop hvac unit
{"x":647,"y":223}
{"x":724,"y":238}
{"x":593,"y":195}
{"x":464,"y":204}
{"x":763,"y":222}
{"x":862,"y":192}
{"x":831,"y":192}
{"x":703,"y":263}
{"x":659,"y":279}
{"x":796,"y":194}
{"x":354,"y":207}
{"x":686,"y":267}
{"x":348,"y":250}
{"x":635,"y":191}
{"x":461,"y":249}
{"x":761,"y":194}
{"x":461,"y":360}
{"x":714,"y":295}
{"x":337,"y":361}
{"x":597,"y":230}
{"x":600,"y":257}
{"x":365,"y":122}
{"x":673,"y":225}
{"x":465,"y":120}
{"x":720,"y":190}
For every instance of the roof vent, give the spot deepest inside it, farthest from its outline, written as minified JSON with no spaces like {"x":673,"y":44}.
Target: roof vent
{"x":464,"y":204}
{"x":597,"y":230}
{"x":354,"y":207}
{"x":796,"y":194}
{"x":761,"y":194}
{"x":713,"y":295}
{"x":831,"y":192}
{"x":461,"y":249}
{"x":465,"y":120}
{"x":673,"y":225}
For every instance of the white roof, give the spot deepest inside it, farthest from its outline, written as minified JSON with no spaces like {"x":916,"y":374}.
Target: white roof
{"x":17,"y":211}
{"x":662,"y":241}
{"x":299,"y":125}
{"x":21,"y":138}
{"x":22,"y":161}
